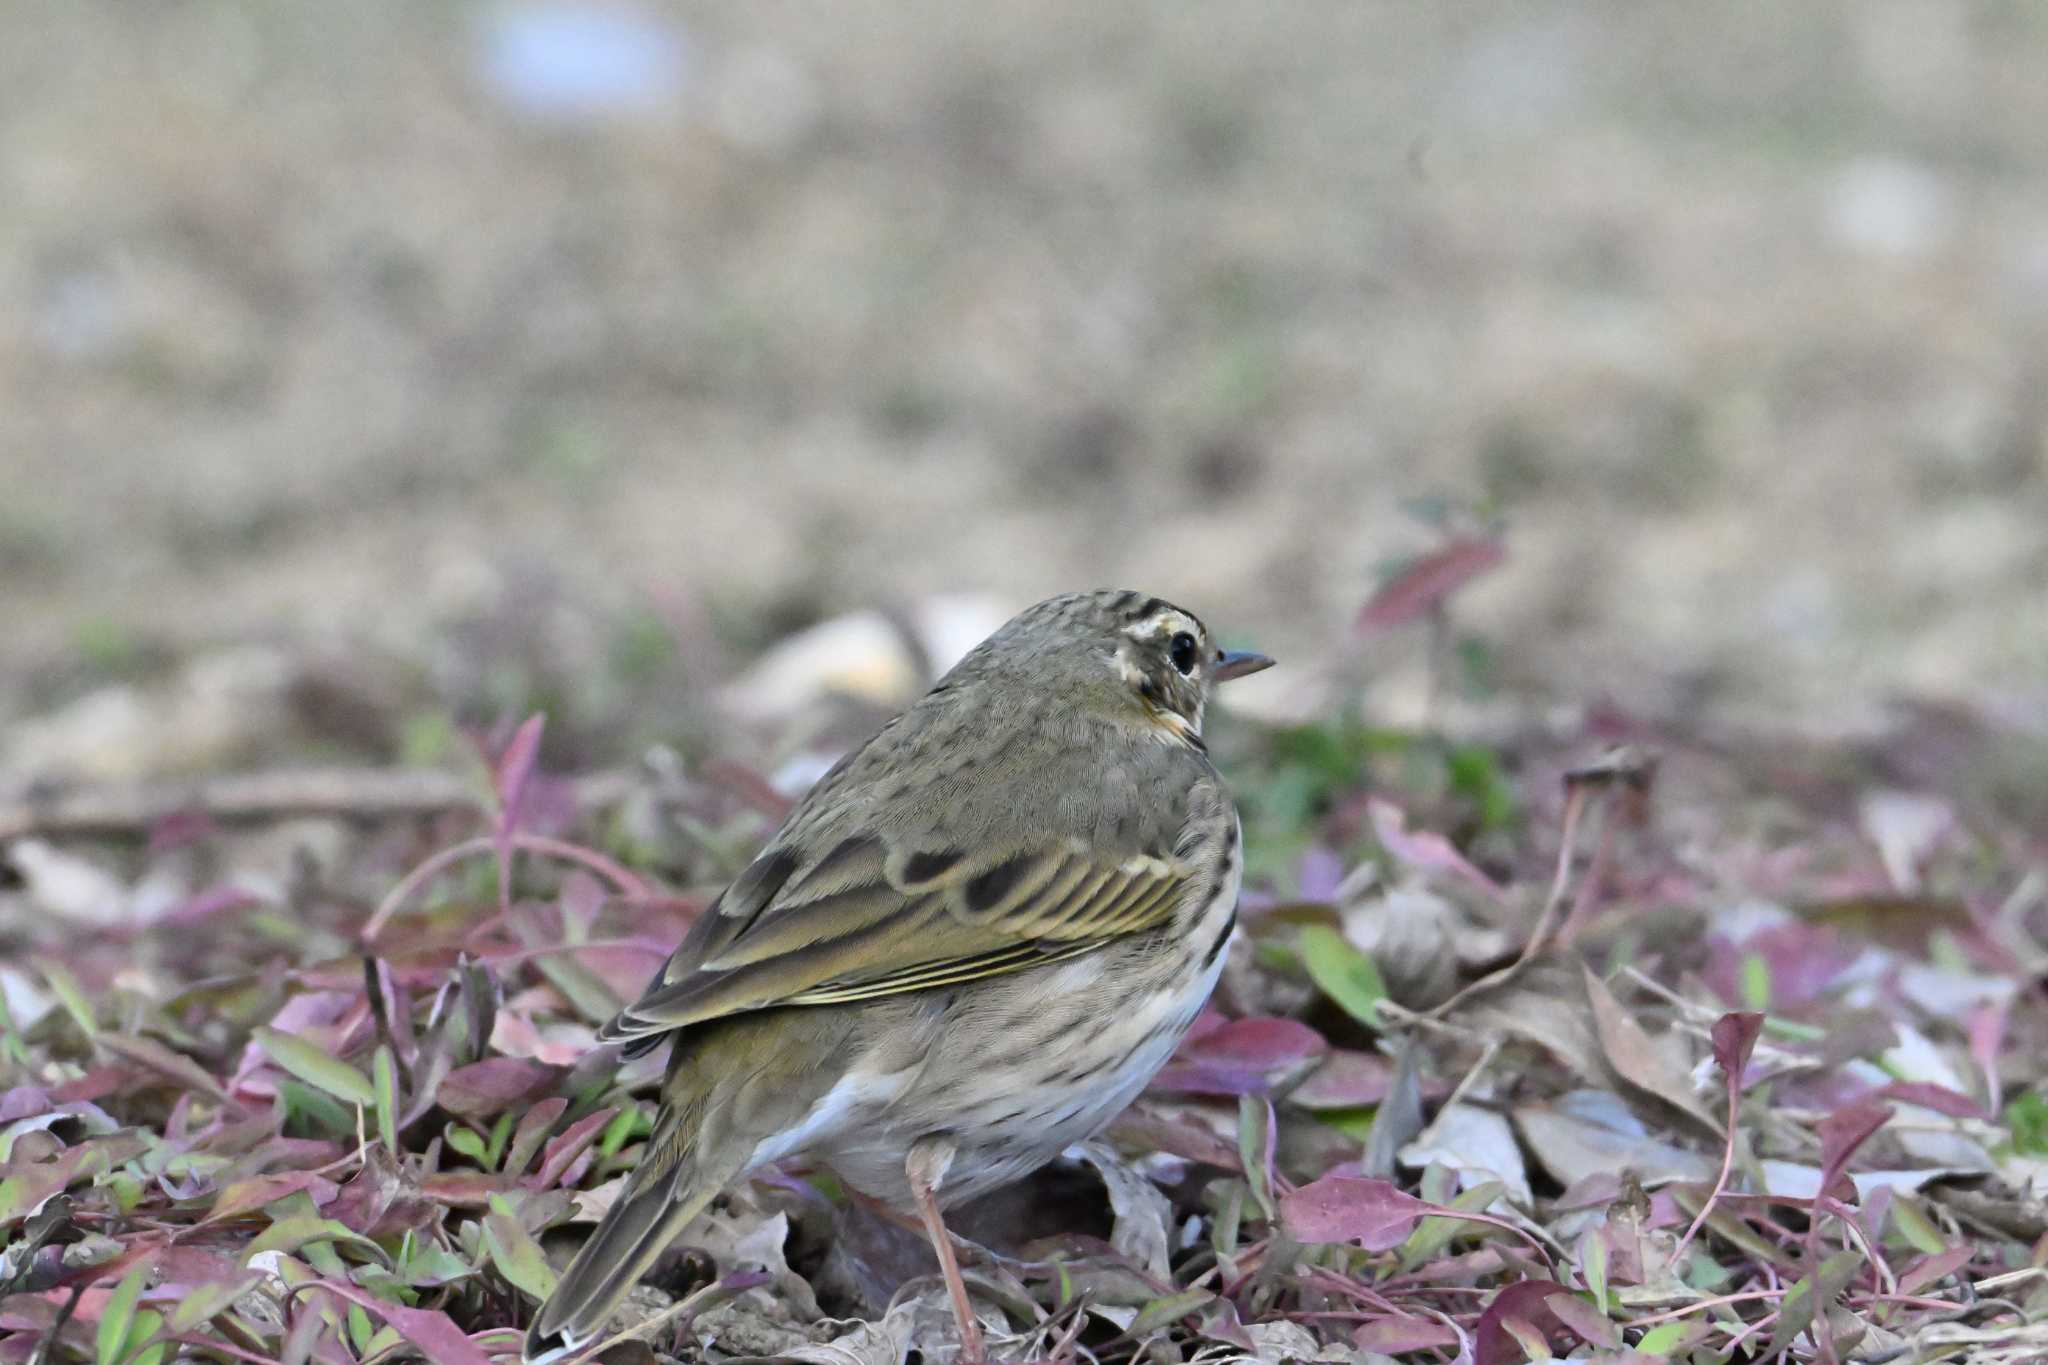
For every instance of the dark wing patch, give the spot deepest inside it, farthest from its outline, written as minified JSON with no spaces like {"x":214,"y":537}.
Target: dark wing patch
{"x":919,"y":868}
{"x":987,"y":891}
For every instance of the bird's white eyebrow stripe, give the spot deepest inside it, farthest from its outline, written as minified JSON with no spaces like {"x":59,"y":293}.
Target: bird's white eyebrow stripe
{"x":1164,"y":622}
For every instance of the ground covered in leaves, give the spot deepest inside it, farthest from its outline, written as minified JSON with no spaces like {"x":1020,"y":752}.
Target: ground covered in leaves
{"x":1610,"y":1041}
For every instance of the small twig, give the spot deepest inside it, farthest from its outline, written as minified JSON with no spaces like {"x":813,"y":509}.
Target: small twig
{"x":42,"y":1353}
{"x":1574,"y":806}
{"x":434,"y":866}
{"x":1596,"y":875}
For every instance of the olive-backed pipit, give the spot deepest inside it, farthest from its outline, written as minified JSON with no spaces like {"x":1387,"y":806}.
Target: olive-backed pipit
{"x":970,"y":946}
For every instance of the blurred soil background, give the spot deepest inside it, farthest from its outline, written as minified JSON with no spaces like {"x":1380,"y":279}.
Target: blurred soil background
{"x":386,"y":360}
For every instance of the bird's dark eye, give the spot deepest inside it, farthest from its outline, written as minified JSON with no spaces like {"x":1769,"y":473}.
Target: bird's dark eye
{"x":1181,"y":649}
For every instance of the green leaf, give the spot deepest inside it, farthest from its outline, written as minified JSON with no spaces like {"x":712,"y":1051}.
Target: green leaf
{"x":1915,"y":1226}
{"x":1343,"y":973}
{"x":2027,"y":1117}
{"x":384,"y":1077}
{"x":1163,"y":1312}
{"x":300,"y":1232}
{"x":71,"y":996}
{"x":307,"y":1109}
{"x":1255,"y":1139}
{"x":204,"y":1301}
{"x":1811,"y":1297}
{"x":316,"y":1068}
{"x":146,"y":1325}
{"x":1593,"y":1266}
{"x":360,"y":1329}
{"x":501,"y":1133}
{"x":1354,"y":1121}
{"x":469,"y":1142}
{"x":618,"y":1130}
{"x":1665,"y":1338}
{"x":1756,"y":982}
{"x":1432,"y":1235}
{"x":514,"y":1252}
{"x":118,"y":1316}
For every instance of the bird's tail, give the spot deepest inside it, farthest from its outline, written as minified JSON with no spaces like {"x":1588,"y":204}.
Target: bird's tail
{"x":648,"y":1215}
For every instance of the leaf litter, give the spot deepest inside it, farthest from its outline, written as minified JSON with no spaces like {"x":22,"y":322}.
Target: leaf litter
{"x":1692,"y":1061}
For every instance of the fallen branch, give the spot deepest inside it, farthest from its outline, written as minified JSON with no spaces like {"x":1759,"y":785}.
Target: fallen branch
{"x":242,"y":798}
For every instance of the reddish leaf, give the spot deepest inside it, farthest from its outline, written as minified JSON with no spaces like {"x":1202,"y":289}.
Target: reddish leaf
{"x":1735,"y":1038}
{"x":1939,"y":1098}
{"x":1591,"y":1325}
{"x":434,"y":1332}
{"x":1176,"y":1135}
{"x":1842,"y":1132}
{"x":1400,"y":1333}
{"x":514,"y":769}
{"x":1526,"y":1300}
{"x":487,"y":1088}
{"x":1428,"y":581}
{"x":246,"y":1195}
{"x":568,"y":1144}
{"x":1930,"y":1270}
{"x":1346,"y":1209}
{"x":1241,"y":1057}
{"x":1345,"y":1078}
{"x":1423,"y":850}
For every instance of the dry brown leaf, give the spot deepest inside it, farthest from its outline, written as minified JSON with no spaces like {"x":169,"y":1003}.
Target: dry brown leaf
{"x":1641,"y":1060}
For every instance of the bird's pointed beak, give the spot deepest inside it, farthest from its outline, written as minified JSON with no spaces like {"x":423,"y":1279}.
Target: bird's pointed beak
{"x":1238,"y":663}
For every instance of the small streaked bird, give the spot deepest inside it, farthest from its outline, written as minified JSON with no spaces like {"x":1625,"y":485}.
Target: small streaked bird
{"x":969,"y":947}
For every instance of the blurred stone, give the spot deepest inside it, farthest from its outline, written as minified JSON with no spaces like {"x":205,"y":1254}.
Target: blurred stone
{"x":581,"y":62}
{"x":211,"y":715}
{"x":68,"y":886}
{"x":863,"y":656}
{"x":1890,"y":208}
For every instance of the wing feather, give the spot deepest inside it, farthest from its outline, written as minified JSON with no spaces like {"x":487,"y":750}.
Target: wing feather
{"x":846,"y":929}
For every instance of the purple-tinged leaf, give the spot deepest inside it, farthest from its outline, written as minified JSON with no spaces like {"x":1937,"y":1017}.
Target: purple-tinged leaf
{"x":1344,"y":1079}
{"x":1939,"y":1098}
{"x":151,"y":1055}
{"x":434,"y":1332}
{"x":563,"y":1149}
{"x":206,"y":904}
{"x":1985,"y":1026}
{"x":1841,"y":1133}
{"x":1424,"y":850}
{"x":1526,"y":1302}
{"x":1428,"y":581}
{"x":1321,"y":872}
{"x":1932,"y":1270}
{"x":1735,"y":1038}
{"x":1592,"y":1326}
{"x":485,"y":1089}
{"x":531,"y":1132}
{"x":23,"y":1101}
{"x":514,"y":769}
{"x":1347,"y":1209}
{"x":1400,"y":1333}
{"x":246,"y":1196}
{"x":1242,"y":1057}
